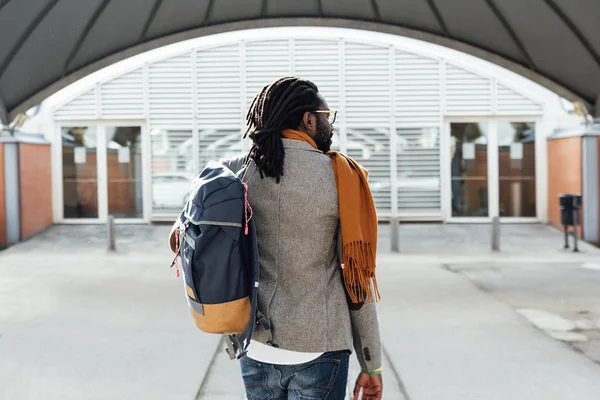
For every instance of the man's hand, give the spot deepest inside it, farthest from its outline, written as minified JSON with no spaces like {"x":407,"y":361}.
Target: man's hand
{"x":371,"y":385}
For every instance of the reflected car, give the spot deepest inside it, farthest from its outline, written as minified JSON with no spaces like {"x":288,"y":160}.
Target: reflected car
{"x":171,"y":189}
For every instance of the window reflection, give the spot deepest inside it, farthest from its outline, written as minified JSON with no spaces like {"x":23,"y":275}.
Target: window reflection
{"x":219,"y":143}
{"x":80,"y":172}
{"x":172,"y":169}
{"x":124,"y":171}
{"x":469,"y":169}
{"x":516,"y":165}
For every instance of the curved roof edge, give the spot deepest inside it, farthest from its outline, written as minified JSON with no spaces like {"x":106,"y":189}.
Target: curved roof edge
{"x":548,"y":83}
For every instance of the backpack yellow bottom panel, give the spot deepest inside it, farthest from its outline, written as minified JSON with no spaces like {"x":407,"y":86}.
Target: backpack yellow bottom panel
{"x":225,"y":318}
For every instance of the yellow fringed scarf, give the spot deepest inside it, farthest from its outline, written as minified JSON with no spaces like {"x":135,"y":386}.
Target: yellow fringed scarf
{"x":358,"y":219}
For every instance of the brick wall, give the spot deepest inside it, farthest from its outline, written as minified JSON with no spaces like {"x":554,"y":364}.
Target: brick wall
{"x":35,"y":188}
{"x":565,"y":174}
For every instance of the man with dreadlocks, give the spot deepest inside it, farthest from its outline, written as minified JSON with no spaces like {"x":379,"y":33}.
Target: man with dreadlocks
{"x":316,"y":228}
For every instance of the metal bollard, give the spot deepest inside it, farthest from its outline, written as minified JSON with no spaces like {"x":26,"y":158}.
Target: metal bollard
{"x":111,"y":233}
{"x":496,"y":234}
{"x":394,"y":223}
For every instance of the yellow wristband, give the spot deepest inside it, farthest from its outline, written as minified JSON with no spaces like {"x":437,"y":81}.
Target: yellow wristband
{"x":374,"y":372}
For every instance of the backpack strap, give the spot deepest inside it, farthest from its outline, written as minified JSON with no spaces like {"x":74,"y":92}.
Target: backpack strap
{"x":262,"y":321}
{"x":236,"y":348}
{"x":237,"y":345}
{"x":242,"y":172}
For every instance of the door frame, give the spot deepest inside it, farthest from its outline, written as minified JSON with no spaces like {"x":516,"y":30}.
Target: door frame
{"x":102,"y":171}
{"x":493,"y":169}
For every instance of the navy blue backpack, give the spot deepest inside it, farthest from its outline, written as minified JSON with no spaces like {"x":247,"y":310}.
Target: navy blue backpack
{"x":216,"y":243}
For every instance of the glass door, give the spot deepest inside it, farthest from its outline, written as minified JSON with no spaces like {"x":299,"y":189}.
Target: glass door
{"x":124,"y":171}
{"x":102,"y":173}
{"x":80,"y":173}
{"x":468,"y":172}
{"x":516,"y":169}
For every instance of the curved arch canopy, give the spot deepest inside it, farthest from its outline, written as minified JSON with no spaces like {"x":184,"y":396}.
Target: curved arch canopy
{"x":47,"y":44}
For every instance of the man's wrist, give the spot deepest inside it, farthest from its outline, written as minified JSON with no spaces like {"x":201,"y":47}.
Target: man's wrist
{"x":374,"y":372}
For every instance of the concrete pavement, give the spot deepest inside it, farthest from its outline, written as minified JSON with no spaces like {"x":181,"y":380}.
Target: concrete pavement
{"x":450,"y":340}
{"x":79,"y":322}
{"x":561,"y":299}
{"x":91,"y":325}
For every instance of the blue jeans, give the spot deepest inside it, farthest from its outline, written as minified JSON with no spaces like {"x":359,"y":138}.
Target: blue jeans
{"x":323,"y":378}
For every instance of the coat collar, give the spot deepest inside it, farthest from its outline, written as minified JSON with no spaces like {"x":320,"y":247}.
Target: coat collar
{"x":298,"y":145}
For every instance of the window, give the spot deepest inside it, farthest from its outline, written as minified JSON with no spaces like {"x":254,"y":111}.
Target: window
{"x":173,"y":169}
{"x":516,"y":167}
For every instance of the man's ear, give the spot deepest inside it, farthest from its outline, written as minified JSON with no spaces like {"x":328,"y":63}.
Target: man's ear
{"x":308,"y":121}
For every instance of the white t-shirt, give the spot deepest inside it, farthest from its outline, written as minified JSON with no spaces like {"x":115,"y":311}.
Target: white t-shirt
{"x":273,"y":355}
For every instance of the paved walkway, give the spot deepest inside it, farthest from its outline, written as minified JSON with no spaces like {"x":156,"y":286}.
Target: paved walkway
{"x":78,"y":322}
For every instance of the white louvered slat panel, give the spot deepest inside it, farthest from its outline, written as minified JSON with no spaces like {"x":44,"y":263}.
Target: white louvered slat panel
{"x":370,"y":147}
{"x":123,"y":97}
{"x":319,"y":62}
{"x":170,"y":93}
{"x":509,"y":102}
{"x":416,"y":90}
{"x":81,"y":107}
{"x":219,"y":143}
{"x":265,"y":61}
{"x":218,"y":86}
{"x":467,"y":93}
{"x":368,"y":104}
{"x":172,"y":169}
{"x":418,"y":171}
{"x":367,"y":86}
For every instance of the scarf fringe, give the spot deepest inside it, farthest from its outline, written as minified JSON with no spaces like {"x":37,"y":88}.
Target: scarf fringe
{"x":359,"y":274}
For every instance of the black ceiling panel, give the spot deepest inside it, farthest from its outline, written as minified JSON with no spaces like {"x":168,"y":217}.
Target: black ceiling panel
{"x":359,"y":9}
{"x":119,"y":26}
{"x":585,"y":14}
{"x":42,"y":56}
{"x":553,"y":47}
{"x":177,"y":15}
{"x":14,"y":21}
{"x":234,"y":10}
{"x":416,"y":14}
{"x":556,"y":39}
{"x":293,"y":8}
{"x":491,"y":33}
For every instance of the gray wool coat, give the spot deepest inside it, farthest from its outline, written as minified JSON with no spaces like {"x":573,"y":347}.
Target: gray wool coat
{"x":301,"y":290}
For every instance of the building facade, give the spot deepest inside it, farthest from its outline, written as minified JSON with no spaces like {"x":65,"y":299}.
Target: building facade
{"x":444,"y":139}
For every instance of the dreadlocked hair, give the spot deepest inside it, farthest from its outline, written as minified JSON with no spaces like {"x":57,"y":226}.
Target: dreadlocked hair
{"x":280,"y":105}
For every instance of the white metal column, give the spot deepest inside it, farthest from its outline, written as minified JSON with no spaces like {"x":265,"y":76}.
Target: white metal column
{"x":343,"y":119}
{"x":146,"y":172}
{"x":57,"y":176}
{"x":195,"y":127}
{"x":542,"y":131}
{"x":444,"y":133}
{"x":246,"y":143}
{"x":393,"y":135}
{"x":102,"y":164}
{"x":445,"y":171}
{"x":493,"y":170}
